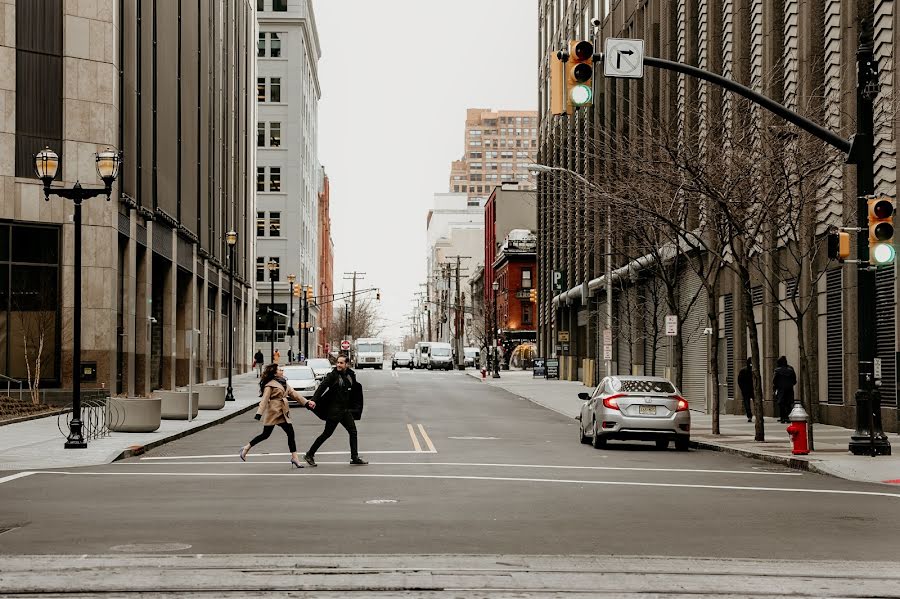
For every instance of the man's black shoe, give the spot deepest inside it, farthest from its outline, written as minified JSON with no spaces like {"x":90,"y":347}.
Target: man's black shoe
{"x":358,"y":462}
{"x":310,"y":460}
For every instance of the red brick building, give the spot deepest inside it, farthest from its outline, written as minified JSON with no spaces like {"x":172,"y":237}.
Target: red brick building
{"x":515,"y":270}
{"x":326,"y":265}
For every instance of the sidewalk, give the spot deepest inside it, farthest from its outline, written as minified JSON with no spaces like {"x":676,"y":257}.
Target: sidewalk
{"x":830,"y":457}
{"x":38,"y":444}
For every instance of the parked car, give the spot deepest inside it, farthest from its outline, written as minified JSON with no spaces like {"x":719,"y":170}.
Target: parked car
{"x":320,"y":366}
{"x":302,"y":379}
{"x":642,"y":408}
{"x":472,"y":355}
{"x":403,"y":359}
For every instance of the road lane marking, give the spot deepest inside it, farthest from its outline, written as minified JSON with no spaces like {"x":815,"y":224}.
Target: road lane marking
{"x":415,"y":440}
{"x":427,"y":440}
{"x":307,"y":473}
{"x":232,"y":455}
{"x":542,"y":466}
{"x":13,"y":477}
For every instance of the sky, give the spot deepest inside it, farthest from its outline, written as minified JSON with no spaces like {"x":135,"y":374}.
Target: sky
{"x":397,"y":77}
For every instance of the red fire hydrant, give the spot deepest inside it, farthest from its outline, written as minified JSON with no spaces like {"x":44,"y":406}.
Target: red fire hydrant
{"x":797,"y":429}
{"x":483,"y":374}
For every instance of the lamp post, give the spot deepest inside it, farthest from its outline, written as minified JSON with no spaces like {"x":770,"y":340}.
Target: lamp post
{"x":494,"y":354}
{"x":306,"y":295}
{"x":231,"y":239}
{"x":290,"y":330}
{"x":46,"y":165}
{"x":272,"y":265}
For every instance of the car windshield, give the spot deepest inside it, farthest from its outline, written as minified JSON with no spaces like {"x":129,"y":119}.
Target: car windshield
{"x":645,"y":386}
{"x":440,"y":351}
{"x":320,"y":363}
{"x":298,"y":372}
{"x":370,"y":347}
{"x":471,"y":352}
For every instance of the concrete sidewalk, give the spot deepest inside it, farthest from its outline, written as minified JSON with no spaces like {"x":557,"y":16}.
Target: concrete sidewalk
{"x":38,"y":444}
{"x":737,"y":435}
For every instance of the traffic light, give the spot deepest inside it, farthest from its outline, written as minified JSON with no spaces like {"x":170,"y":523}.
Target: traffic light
{"x":580,"y":74}
{"x":378,"y":295}
{"x":557,"y":82}
{"x":881,"y":231}
{"x":838,"y":245}
{"x":533,"y":295}
{"x":297,"y":289}
{"x":309,"y":294}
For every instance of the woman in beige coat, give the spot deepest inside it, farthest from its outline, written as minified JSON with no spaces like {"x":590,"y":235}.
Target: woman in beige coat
{"x":274,"y":410}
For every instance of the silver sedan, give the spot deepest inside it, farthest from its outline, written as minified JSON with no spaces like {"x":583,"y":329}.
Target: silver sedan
{"x":642,"y":408}
{"x":301,"y":379}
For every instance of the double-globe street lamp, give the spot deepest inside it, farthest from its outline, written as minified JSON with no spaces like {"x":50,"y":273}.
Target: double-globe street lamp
{"x":495,"y":357}
{"x":46,"y":165}
{"x":272,"y":266}
{"x":231,"y":239}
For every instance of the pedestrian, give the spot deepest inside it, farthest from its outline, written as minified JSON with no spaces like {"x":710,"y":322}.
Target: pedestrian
{"x":290,"y":355}
{"x":274,"y":410}
{"x":745,"y":384}
{"x":276,"y":357}
{"x":258,"y":359}
{"x":338,"y":395}
{"x":784,"y":381}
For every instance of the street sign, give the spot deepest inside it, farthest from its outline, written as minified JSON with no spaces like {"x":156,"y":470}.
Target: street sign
{"x":345,"y":345}
{"x":562,"y":336}
{"x":671,"y":325}
{"x":559,"y":280}
{"x":552,"y":368}
{"x":624,"y":58}
{"x":607,"y":352}
{"x":540,"y":368}
{"x":607,"y":337}
{"x":877,"y":365}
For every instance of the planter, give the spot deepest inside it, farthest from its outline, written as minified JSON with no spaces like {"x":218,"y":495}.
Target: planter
{"x":175,"y":404}
{"x":212,"y":397}
{"x":133,"y":414}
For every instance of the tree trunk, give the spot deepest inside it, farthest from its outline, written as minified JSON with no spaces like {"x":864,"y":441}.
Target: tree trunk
{"x":712,"y":314}
{"x":750,"y":319}
{"x":805,"y":382}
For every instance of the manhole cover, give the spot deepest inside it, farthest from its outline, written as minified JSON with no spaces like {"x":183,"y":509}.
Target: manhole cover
{"x":378,"y":501}
{"x":150,"y":547}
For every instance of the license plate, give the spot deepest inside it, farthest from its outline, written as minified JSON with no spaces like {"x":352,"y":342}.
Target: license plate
{"x":647,"y":410}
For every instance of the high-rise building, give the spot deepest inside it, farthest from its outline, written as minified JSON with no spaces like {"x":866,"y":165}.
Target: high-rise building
{"x":497,"y":144}
{"x":287,"y":170}
{"x":169,"y":84}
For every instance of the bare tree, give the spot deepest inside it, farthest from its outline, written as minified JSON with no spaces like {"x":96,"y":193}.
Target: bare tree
{"x":364,"y":323}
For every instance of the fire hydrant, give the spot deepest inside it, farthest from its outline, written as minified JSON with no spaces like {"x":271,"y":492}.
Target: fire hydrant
{"x":797,"y":429}
{"x":483,"y":374}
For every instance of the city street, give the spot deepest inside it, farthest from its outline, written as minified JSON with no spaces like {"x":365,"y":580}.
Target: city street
{"x":457,"y":467}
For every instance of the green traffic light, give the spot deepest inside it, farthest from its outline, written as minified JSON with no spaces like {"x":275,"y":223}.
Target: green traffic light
{"x":581,"y":95}
{"x":883,"y":253}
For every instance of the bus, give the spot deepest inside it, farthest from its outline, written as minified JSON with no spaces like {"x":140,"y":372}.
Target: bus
{"x":368,"y":352}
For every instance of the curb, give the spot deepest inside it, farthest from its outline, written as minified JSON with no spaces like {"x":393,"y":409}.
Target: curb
{"x":791,"y":462}
{"x":136,"y":450}
{"x":35,"y":416}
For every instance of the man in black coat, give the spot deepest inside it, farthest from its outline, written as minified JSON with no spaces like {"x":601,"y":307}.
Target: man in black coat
{"x":784,"y":381}
{"x":745,"y":384}
{"x":335,"y":402}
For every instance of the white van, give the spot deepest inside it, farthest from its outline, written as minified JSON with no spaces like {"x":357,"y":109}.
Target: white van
{"x":369,"y":353}
{"x":420,"y":356}
{"x":441,"y":356}
{"x":472,"y":355}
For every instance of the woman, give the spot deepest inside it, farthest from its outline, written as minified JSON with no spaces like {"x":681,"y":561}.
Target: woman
{"x":274,"y":410}
{"x":784,"y":381}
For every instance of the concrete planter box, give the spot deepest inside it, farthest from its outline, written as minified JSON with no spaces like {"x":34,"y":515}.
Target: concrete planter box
{"x":175,"y":404}
{"x":212,"y":397}
{"x":133,"y":414}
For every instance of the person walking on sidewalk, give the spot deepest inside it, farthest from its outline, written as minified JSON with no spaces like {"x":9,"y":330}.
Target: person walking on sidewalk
{"x":785,"y":379}
{"x":337,"y":391}
{"x":276,"y":357}
{"x":258,"y":362}
{"x":274,"y":410}
{"x":745,"y":384}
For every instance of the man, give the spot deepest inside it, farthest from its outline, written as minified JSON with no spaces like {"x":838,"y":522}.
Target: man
{"x":334,"y":398}
{"x":784,"y":381}
{"x":258,"y":359}
{"x":745,"y":384}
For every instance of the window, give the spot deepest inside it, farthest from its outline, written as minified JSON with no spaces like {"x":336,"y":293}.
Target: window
{"x":260,"y":135}
{"x":475,"y":166}
{"x":260,"y":89}
{"x":260,"y":178}
{"x":260,"y":269}
{"x":526,"y":278}
{"x":260,"y":224}
{"x":279,"y":5}
{"x":274,"y":224}
{"x":261,"y":45}
{"x":275,"y":89}
{"x":526,"y":313}
{"x":474,"y":154}
{"x":274,"y":178}
{"x":275,"y":45}
{"x":475,"y":177}
{"x":275,"y":134}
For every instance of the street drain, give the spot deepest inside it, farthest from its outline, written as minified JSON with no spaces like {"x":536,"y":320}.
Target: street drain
{"x":150,"y":547}
{"x":379,"y":501}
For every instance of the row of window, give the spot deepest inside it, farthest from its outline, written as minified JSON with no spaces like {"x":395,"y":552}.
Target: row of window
{"x":272,"y":85}
{"x":507,"y":132}
{"x":512,"y":120}
{"x":275,"y":5}
{"x":503,"y":143}
{"x":491,"y":166}
{"x":269,"y":44}
{"x":261,"y":268}
{"x":274,"y":227}
{"x":273,"y":140}
{"x":273,"y":180}
{"x":495,"y":154}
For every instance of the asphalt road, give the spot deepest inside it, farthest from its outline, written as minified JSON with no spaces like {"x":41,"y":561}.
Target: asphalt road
{"x":457,"y":467}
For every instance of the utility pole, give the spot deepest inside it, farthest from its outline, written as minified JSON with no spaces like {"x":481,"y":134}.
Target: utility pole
{"x":458,"y":320}
{"x":354,"y":276}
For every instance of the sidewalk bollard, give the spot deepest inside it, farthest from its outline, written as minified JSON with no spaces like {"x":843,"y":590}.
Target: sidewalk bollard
{"x":797,"y":429}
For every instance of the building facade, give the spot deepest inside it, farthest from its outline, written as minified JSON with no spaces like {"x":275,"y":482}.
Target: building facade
{"x":287,"y":171}
{"x":507,"y":208}
{"x":515,"y":270}
{"x":497,"y":143}
{"x":325,"y":292}
{"x":86,"y":76}
{"x":802,"y":56}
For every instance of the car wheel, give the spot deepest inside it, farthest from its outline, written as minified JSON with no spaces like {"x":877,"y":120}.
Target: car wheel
{"x":429,"y":367}
{"x":662,"y":443}
{"x":581,"y":436}
{"x":598,"y":440}
{"x":682,"y":443}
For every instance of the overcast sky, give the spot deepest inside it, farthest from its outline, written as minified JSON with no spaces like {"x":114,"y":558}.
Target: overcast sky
{"x":397,"y":77}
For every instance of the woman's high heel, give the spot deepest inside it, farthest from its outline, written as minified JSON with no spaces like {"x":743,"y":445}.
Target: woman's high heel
{"x":244,"y":451}
{"x":296,"y":463}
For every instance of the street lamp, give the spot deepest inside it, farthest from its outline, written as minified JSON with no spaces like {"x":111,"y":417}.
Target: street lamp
{"x":494,"y":354}
{"x":231,"y":239}
{"x":290,"y":330}
{"x":543,"y":168}
{"x":272,"y":265}
{"x":307,"y":291}
{"x":46,"y":165}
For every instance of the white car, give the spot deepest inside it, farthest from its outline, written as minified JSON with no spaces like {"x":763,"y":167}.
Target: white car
{"x":320,"y":366}
{"x":301,"y":379}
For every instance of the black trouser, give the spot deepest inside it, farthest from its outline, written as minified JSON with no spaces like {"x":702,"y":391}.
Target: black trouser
{"x":330,"y":425}
{"x":288,"y":429}
{"x":785,"y":407}
{"x":747,"y":410}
